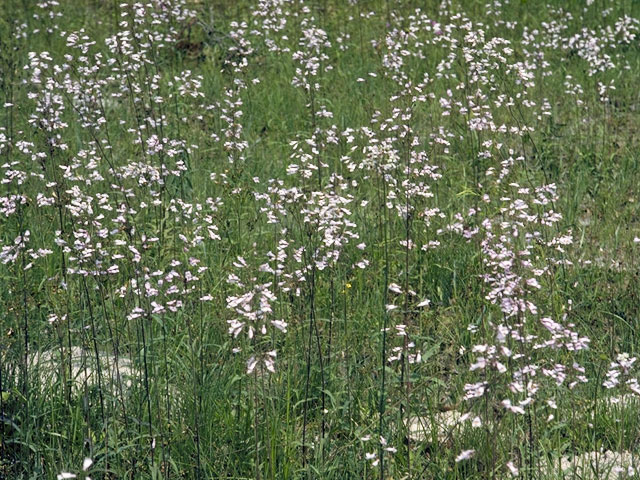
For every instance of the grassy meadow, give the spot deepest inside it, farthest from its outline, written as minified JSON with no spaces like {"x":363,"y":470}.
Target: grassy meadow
{"x":332,"y":239}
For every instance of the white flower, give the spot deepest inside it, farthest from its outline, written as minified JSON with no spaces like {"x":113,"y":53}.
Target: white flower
{"x":280,"y":325}
{"x":424,"y":303}
{"x":465,"y":455}
{"x":251,"y":364}
{"x":86,"y":464}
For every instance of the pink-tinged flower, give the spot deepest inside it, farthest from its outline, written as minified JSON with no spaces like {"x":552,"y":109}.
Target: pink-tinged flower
{"x":280,"y":325}
{"x":465,"y":455}
{"x":251,"y":364}
{"x":512,"y":408}
{"x":424,"y":303}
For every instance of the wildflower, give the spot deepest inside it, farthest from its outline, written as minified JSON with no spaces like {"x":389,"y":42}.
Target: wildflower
{"x":465,"y":455}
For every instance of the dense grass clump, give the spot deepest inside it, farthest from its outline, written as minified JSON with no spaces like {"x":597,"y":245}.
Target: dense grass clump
{"x":319,"y":239}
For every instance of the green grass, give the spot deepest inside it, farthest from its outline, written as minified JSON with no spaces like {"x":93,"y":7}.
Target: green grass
{"x":191,"y":410}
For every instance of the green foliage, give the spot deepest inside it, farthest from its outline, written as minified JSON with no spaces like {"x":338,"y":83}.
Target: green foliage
{"x":190,"y":410}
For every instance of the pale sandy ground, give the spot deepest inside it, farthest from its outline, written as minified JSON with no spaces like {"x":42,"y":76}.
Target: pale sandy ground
{"x":84,"y":368}
{"x":604,"y":465}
